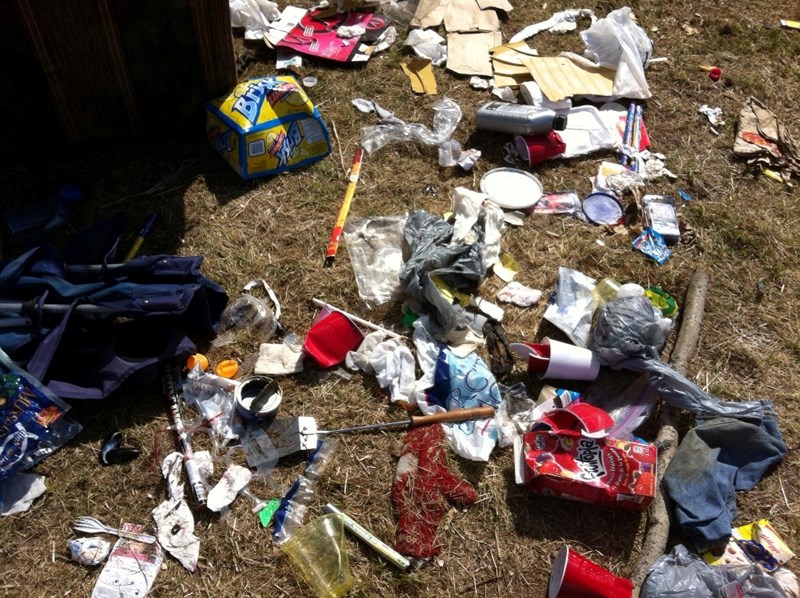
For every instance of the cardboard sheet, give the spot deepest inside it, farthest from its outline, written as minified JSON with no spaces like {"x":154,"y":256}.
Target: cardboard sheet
{"x":468,"y":53}
{"x":503,"y":5}
{"x":420,"y":73}
{"x":560,"y":77}
{"x":429,"y":13}
{"x":466,"y":15}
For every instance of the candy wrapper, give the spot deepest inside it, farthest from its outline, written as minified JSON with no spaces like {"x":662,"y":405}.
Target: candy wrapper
{"x":32,"y":420}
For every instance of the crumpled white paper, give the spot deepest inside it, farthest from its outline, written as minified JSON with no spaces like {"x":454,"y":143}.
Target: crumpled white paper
{"x":714,"y":115}
{"x":227,"y":489}
{"x":173,"y":517}
{"x":519,"y":294}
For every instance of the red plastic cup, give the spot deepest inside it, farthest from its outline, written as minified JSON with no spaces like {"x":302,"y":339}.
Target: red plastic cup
{"x":574,"y":576}
{"x":538,"y":148}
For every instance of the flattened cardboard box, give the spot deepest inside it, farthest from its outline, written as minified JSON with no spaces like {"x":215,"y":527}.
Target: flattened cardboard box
{"x":265,"y":126}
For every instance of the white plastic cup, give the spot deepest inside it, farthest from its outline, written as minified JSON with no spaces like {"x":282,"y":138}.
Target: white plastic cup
{"x":570,"y":362}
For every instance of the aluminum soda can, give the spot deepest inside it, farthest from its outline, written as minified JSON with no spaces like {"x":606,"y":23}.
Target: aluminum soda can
{"x":519,"y":119}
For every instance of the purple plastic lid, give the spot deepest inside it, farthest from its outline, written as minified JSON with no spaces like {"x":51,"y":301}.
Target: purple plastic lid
{"x":602,"y":208}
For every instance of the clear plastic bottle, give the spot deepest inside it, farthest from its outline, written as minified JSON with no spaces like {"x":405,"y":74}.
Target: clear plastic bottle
{"x":519,"y":119}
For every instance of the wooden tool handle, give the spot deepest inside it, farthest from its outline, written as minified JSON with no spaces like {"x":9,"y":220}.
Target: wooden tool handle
{"x":457,"y":415}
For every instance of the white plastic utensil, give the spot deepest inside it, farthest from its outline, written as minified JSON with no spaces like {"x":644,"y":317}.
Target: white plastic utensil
{"x":90,"y":525}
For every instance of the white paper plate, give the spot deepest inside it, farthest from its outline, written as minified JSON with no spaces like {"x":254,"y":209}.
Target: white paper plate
{"x":511,"y":188}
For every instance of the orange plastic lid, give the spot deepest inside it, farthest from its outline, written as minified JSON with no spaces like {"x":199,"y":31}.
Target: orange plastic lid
{"x":227,"y":368}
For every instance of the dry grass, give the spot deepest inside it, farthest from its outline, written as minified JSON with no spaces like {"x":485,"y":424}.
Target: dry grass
{"x":745,"y":235}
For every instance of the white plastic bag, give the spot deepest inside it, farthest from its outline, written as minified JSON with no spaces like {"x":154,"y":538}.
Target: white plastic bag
{"x":616,"y":42}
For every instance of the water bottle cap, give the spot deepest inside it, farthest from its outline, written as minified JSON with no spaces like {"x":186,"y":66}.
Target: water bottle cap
{"x":70,"y":193}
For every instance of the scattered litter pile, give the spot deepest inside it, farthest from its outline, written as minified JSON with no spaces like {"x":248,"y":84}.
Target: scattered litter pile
{"x":79,"y":323}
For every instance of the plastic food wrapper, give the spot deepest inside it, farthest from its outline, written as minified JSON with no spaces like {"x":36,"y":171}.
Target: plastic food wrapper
{"x":32,"y":420}
{"x":375,"y":248}
{"x":571,"y":305}
{"x":652,"y":244}
{"x":577,"y":464}
{"x":266,"y":126}
{"x":447,"y":115}
{"x":89,"y":551}
{"x":519,"y":294}
{"x":18,"y":492}
{"x":254,"y":15}
{"x":557,"y":202}
{"x":214,"y":403}
{"x":451,"y":154}
{"x":426,"y":43}
{"x":616,"y":42}
{"x":683,"y":574}
{"x":131,"y":568}
{"x":755,"y":543}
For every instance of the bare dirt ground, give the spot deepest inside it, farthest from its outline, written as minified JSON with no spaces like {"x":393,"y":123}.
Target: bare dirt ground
{"x":743,"y":232}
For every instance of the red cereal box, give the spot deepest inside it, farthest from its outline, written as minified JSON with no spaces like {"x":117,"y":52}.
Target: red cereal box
{"x":603,"y":471}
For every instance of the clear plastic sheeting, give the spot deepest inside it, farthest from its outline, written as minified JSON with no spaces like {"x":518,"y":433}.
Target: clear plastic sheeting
{"x":627,"y":334}
{"x":375,"y":247}
{"x":681,"y":574}
{"x":447,"y":115}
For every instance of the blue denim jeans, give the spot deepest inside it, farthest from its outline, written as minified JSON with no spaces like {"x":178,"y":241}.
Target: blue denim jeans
{"x":715,"y":459}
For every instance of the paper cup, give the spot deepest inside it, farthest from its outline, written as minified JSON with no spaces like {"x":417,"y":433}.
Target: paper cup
{"x":569,"y":362}
{"x":575,"y":575}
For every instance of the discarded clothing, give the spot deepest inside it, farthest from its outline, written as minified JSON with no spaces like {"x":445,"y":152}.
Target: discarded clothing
{"x":422,"y":488}
{"x":714,"y":460}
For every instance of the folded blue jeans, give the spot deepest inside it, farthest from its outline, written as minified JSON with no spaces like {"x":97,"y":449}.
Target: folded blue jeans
{"x":716,"y":458}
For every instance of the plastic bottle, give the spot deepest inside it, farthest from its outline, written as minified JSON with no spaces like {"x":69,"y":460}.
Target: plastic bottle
{"x":518,"y":119}
{"x":44,"y":217}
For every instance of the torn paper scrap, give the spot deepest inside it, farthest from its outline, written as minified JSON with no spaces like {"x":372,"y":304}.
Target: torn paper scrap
{"x":175,"y":524}
{"x":519,"y":294}
{"x":420,"y":73}
{"x":233,"y":480}
{"x":131,"y":565}
{"x":277,"y":359}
